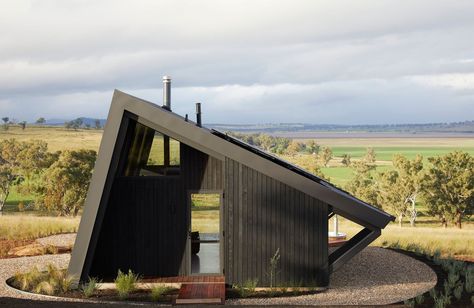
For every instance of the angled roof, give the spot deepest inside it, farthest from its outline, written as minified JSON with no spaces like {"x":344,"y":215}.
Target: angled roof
{"x":220,"y":146}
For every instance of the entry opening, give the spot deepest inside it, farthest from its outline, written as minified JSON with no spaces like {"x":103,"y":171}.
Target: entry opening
{"x":205,"y":233}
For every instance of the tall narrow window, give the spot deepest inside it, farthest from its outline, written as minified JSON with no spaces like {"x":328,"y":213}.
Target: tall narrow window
{"x":151,"y":153}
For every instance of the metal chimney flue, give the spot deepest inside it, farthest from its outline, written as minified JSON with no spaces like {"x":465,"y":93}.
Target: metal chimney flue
{"x":167,"y":92}
{"x":198,"y":114}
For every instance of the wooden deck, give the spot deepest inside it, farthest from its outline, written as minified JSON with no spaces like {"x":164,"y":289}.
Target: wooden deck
{"x":201,"y":293}
{"x":196,"y":279}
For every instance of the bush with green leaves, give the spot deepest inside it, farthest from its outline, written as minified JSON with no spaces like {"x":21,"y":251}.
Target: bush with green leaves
{"x":126,"y":283}
{"x":247,"y":288}
{"x":90,"y":287}
{"x":157,"y":292}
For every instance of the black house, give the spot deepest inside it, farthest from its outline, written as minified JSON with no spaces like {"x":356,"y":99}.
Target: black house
{"x":138,"y":212}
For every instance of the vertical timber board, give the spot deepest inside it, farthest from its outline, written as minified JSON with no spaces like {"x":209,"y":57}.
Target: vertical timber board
{"x":262,"y":215}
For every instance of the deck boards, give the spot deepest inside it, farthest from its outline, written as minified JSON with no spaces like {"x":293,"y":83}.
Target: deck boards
{"x":202,"y":293}
{"x":187,"y":279}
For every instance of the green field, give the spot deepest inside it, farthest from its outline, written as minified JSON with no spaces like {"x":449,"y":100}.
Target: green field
{"x":387,"y":153}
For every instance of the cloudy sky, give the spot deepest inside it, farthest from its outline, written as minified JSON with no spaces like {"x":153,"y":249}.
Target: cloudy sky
{"x":246,"y":61}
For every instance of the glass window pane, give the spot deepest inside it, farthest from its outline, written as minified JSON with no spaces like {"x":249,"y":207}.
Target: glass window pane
{"x":152,"y":153}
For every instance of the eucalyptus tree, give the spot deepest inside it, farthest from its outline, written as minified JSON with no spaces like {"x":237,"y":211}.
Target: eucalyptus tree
{"x":449,"y":187}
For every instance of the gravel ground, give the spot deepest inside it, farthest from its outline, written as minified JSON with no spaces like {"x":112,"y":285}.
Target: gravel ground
{"x":376,"y":276}
{"x":59,"y":240}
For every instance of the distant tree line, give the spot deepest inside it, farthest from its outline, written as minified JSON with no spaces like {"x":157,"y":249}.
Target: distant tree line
{"x":73,"y":124}
{"x":79,"y":123}
{"x":463,"y":126}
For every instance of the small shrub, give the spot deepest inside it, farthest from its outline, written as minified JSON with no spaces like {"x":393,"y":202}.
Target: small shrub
{"x":251,"y":284}
{"x":441,"y":300}
{"x":409,"y":302}
{"x":419,"y":299}
{"x":469,"y":275}
{"x":58,"y":279}
{"x":157,"y":292}
{"x":273,"y":267}
{"x":65,"y":284}
{"x":50,"y":249}
{"x":453,"y":278}
{"x":436,"y":255}
{"x":88,"y":289}
{"x":45,"y":287}
{"x":458,"y":292}
{"x":27,"y":281}
{"x":247,"y":288}
{"x":126,"y":283}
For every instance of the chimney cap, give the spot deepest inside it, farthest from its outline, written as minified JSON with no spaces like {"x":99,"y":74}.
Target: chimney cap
{"x":166,"y":78}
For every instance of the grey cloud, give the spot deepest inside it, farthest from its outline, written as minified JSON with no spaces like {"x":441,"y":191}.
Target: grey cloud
{"x":330,"y":60}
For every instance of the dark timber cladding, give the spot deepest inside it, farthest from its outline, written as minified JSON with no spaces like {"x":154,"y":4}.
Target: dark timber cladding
{"x":263,"y":215}
{"x":145,"y":225}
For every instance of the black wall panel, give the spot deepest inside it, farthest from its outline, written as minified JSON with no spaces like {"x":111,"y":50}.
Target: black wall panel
{"x":263,"y":215}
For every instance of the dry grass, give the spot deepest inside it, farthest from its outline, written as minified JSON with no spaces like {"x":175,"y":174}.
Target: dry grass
{"x":22,"y":227}
{"x":19,"y":230}
{"x":58,"y":138}
{"x":205,"y":221}
{"x":449,"y":241}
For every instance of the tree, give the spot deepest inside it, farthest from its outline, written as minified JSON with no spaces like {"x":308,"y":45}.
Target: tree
{"x":32,"y":159}
{"x":410,"y":181}
{"x":312,"y":147}
{"x":391,"y":194}
{"x":19,"y":163}
{"x":362,"y":184}
{"x":97,"y":124}
{"x":370,"y":156}
{"x":5,"y":122}
{"x":66,"y":181}
{"x":325,"y":156}
{"x":41,"y":121}
{"x":449,"y":187}
{"x":294,"y":148}
{"x":74,"y":124}
{"x":9,"y":167}
{"x":346,"y":160}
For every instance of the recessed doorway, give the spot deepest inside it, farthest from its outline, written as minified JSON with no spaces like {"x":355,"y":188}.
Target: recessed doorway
{"x":206,"y":232}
